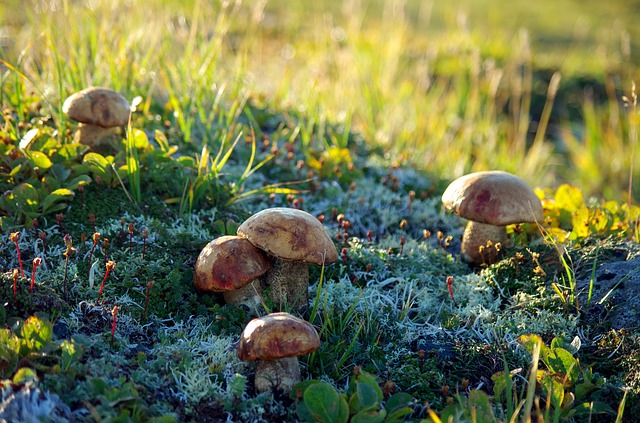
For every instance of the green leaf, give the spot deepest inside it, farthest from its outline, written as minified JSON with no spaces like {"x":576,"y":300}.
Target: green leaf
{"x":367,"y":395}
{"x":397,"y":415}
{"x":71,"y":352}
{"x":569,"y":198}
{"x":398,"y":401}
{"x":325,"y":404}
{"x":594,"y":407}
{"x":97,"y":162}
{"x":483,"y":408}
{"x":561,"y":362}
{"x":71,"y":151}
{"x":552,"y":386}
{"x":369,"y":416}
{"x":24,"y":197}
{"x":56,"y":196}
{"x":529,"y":341}
{"x":24,"y":375}
{"x":77,"y":181}
{"x":38,"y":159}
{"x":36,"y":332}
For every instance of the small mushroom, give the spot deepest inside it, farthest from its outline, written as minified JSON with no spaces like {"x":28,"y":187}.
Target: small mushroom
{"x":293,"y":239}
{"x":100,"y":111}
{"x":275,"y":341}
{"x":232,"y":266}
{"x":490,"y":200}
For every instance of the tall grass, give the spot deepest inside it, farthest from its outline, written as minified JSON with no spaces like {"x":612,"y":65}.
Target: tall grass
{"x":433,"y":93}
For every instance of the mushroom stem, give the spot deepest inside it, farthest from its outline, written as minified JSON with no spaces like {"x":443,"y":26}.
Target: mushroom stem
{"x":477,"y":235}
{"x":249,"y":295}
{"x":281,"y":374}
{"x":289,"y":282}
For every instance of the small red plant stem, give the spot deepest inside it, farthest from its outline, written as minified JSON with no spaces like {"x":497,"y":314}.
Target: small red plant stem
{"x":110,"y":265}
{"x":43,"y":238}
{"x":105,"y":245}
{"x":15,"y":284}
{"x":96,"y":238}
{"x":36,"y":262}
{"x":114,"y":313}
{"x":146,"y":299}
{"x":130,"y":228}
{"x":145,"y":234}
{"x":450,"y":289}
{"x":70,"y":250}
{"x":403,"y":240}
{"x":15,"y":236}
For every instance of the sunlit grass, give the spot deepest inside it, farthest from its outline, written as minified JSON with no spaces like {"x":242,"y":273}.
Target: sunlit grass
{"x":434,"y":88}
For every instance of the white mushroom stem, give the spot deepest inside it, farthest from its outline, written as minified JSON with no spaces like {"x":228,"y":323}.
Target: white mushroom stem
{"x":249,"y":295}
{"x":94,"y":135}
{"x":476,"y":235}
{"x":281,"y":374}
{"x":289,"y":282}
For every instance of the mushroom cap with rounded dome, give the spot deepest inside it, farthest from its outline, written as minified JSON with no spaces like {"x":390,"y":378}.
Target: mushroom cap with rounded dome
{"x":276,"y":336}
{"x":98,"y":106}
{"x":228,"y":263}
{"x":493,"y":197}
{"x":290,"y":234}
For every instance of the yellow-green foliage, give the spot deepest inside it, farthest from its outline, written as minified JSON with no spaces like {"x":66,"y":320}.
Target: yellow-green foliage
{"x":569,"y":216}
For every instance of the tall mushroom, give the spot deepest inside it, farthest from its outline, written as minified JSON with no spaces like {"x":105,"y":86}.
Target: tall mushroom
{"x":100,"y":111}
{"x":490,"y":200}
{"x":232,"y":266}
{"x":275,"y":341}
{"x":293,"y":238}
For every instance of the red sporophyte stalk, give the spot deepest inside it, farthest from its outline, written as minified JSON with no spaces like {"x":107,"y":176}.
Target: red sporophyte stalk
{"x":146,"y":299}
{"x":145,"y":234}
{"x":370,"y":236}
{"x":70,"y":250}
{"x":110,"y":265}
{"x":43,"y":238}
{"x":403,"y":241}
{"x":92,"y":220}
{"x":105,"y":245}
{"x":15,"y":236}
{"x":130,"y":228}
{"x":15,"y":284}
{"x":345,"y":255}
{"x":36,"y":262}
{"x":96,"y":238}
{"x":59,"y":219}
{"x":450,"y":289}
{"x":98,"y":182}
{"x":114,"y":313}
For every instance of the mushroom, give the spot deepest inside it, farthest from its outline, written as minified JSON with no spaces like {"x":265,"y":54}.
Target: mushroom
{"x":100,"y":111}
{"x":293,"y":238}
{"x":275,"y":341}
{"x":490,"y":200}
{"x":232,"y":266}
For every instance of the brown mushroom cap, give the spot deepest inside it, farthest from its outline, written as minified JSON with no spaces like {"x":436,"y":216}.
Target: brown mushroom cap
{"x":98,"y":106}
{"x":276,"y":336}
{"x":290,"y":234}
{"x":493,"y":197}
{"x":228,"y":263}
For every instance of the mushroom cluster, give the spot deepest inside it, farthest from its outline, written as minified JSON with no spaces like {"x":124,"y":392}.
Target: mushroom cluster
{"x":490,"y":200}
{"x":100,"y":113}
{"x":276,"y":245}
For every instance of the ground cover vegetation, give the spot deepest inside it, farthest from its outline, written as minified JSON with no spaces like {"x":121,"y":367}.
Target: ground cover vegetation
{"x":360,"y":113}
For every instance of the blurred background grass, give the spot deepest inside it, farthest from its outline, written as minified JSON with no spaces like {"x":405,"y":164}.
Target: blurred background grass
{"x":448,"y":87}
